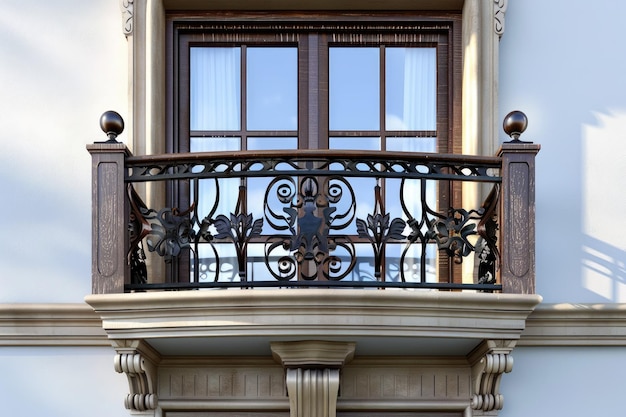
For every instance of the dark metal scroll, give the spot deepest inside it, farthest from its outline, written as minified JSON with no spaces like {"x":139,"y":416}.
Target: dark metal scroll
{"x":308,"y":207}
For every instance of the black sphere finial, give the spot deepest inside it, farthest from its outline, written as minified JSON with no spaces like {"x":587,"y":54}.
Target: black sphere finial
{"x":112,"y":124}
{"x":515,"y":123}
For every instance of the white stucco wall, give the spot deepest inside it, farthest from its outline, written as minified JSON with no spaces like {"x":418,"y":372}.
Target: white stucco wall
{"x":61,"y":381}
{"x":62,"y":63}
{"x":563,"y":64}
{"x":574,"y":381}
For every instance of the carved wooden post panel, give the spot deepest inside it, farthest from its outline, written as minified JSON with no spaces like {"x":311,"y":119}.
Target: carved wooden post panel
{"x":109,"y":267}
{"x":517,"y":226}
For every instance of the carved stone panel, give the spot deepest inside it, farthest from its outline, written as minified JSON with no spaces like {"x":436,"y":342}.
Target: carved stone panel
{"x":205,"y":382}
{"x":416,"y":382}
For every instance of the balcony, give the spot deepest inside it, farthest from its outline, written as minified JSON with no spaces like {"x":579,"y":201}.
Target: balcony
{"x":214,"y":254}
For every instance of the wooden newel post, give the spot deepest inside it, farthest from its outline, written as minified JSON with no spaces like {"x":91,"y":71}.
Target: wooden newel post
{"x":517,"y":225}
{"x":110,"y":210}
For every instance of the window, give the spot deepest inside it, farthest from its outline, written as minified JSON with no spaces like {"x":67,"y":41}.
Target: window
{"x":379,"y":82}
{"x":385,"y":80}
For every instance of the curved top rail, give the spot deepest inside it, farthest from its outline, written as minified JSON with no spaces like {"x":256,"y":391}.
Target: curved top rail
{"x":312,"y":162}
{"x":303,"y":154}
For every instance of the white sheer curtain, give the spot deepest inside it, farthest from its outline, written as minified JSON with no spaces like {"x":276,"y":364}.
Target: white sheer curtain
{"x":215,"y":88}
{"x":215,"y":96}
{"x":420,"y":89}
{"x":419,"y":112}
{"x":215,"y":105}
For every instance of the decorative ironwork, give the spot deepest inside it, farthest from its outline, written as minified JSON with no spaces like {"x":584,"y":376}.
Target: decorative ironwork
{"x":239,"y":228}
{"x":452,"y":233}
{"x":313,"y":163}
{"x":487,"y":249}
{"x":379,"y":230}
{"x":309,"y":229}
{"x":309,"y":215}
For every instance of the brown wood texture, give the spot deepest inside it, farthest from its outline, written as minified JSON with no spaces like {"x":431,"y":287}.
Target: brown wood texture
{"x":109,"y":269}
{"x":517,"y":225}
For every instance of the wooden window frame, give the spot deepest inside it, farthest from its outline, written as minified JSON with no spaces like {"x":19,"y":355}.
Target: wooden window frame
{"x":318,"y":31}
{"x":314,"y":35}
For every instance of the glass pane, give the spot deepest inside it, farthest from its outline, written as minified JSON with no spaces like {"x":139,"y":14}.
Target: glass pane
{"x":257,"y":187}
{"x":411,"y":268}
{"x":214,"y":144}
{"x":354,"y":91}
{"x":280,"y":262}
{"x":208,"y":188}
{"x":364,"y":144}
{"x":412,"y":144}
{"x":411,"y":88}
{"x":272,"y":83}
{"x":215,"y":88}
{"x":259,"y":144}
{"x":216,"y":262}
{"x":404,"y":200}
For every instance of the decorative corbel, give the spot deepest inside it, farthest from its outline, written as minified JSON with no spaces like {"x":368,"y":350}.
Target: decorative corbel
{"x":127,"y":7}
{"x":489,"y":361}
{"x":138,"y":362}
{"x":499,"y":11}
{"x":312,"y":374}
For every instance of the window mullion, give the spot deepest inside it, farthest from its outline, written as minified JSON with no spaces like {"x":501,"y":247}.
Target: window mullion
{"x":244,"y":94}
{"x":382,"y":100}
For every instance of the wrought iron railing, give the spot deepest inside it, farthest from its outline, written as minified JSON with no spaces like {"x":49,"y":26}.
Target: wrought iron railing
{"x":311,"y":218}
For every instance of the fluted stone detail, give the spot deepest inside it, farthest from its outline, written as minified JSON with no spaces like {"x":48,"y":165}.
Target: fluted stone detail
{"x":312,"y":374}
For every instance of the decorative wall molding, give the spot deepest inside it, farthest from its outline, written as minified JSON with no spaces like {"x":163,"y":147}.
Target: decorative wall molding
{"x":51,"y":324}
{"x":313,"y":353}
{"x":135,"y":359}
{"x":499,"y":11}
{"x":221,"y":379}
{"x":76,"y":324}
{"x":396,"y":379}
{"x":128,"y":10}
{"x":568,"y":324}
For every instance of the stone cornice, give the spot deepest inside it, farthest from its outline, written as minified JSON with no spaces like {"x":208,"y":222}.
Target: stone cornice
{"x":50,"y":325}
{"x":306,"y":314}
{"x":568,"y":324}
{"x":78,"y":325}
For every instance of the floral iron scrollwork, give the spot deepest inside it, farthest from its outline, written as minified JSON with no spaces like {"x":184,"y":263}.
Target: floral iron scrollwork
{"x":169,"y":228}
{"x":309,"y":212}
{"x":239,"y":228}
{"x":170,"y":231}
{"x":138,"y":228}
{"x":379,"y":229}
{"x":488,"y":253}
{"x":452,"y":233}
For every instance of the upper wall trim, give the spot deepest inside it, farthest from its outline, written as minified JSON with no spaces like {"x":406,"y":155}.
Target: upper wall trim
{"x":50,"y":325}
{"x":576,"y":325}
{"x":313,"y":5}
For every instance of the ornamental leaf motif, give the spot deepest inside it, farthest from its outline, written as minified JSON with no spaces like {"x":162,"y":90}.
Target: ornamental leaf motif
{"x":378,"y":230}
{"x":452,"y":233}
{"x":173,"y":233}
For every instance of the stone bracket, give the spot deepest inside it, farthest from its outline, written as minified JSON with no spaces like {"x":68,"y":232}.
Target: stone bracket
{"x":134,"y":359}
{"x":312,"y":392}
{"x":489,"y":362}
{"x":312,"y":374}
